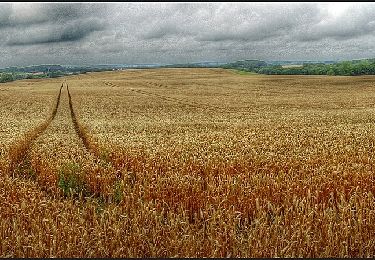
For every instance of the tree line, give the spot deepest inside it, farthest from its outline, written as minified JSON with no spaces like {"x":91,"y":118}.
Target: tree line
{"x":344,"y":68}
{"x":8,"y":77}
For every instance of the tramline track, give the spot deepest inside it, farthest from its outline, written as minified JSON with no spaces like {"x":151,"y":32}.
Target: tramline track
{"x":19,"y":149}
{"x":61,"y":147}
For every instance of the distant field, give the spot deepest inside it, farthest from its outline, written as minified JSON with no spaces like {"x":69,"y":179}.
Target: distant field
{"x":187,"y":163}
{"x":292,"y":66}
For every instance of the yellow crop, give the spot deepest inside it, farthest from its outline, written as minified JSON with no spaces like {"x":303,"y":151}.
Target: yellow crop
{"x":187,"y":163}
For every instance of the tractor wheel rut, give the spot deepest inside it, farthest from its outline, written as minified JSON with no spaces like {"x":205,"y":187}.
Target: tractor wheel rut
{"x":19,"y":149}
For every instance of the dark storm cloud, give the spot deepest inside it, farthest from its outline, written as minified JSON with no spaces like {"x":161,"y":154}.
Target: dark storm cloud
{"x":50,"y":23}
{"x":35,"y":13}
{"x":73,"y":31}
{"x":183,"y":32}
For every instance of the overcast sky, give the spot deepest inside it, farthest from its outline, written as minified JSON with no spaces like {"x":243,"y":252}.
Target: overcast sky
{"x":125,"y":33}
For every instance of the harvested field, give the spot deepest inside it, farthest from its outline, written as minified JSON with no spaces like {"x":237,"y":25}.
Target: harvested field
{"x":188,"y":163}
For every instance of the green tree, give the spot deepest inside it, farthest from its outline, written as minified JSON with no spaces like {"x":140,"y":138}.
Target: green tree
{"x":6,"y":77}
{"x":331,"y":72}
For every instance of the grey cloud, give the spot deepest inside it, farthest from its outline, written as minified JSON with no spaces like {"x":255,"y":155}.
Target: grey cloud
{"x":50,"y":23}
{"x":179,"y":32}
{"x":24,"y":14}
{"x":258,"y":22}
{"x":67,"y":11}
{"x":160,"y":20}
{"x":355,"y":22}
{"x":5,"y":12}
{"x":62,"y":33}
{"x":161,"y":31}
{"x":225,"y":21}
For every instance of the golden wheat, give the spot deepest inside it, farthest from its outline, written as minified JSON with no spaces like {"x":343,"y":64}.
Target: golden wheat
{"x":196,"y":163}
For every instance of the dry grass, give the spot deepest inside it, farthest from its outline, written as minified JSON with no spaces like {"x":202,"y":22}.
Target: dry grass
{"x":196,"y":162}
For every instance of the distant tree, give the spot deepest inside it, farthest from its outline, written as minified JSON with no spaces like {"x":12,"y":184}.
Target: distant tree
{"x":331,"y":72}
{"x":6,"y":77}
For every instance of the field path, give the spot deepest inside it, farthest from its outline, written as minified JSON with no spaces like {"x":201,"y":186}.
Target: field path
{"x":60,"y":160}
{"x":19,"y":149}
{"x":82,"y":132}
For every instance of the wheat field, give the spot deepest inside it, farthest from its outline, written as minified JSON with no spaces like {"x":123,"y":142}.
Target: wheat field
{"x":187,"y":163}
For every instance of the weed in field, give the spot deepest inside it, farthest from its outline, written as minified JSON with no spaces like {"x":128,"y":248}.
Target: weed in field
{"x":118,"y":192}
{"x":25,"y":169}
{"x":70,"y":180}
